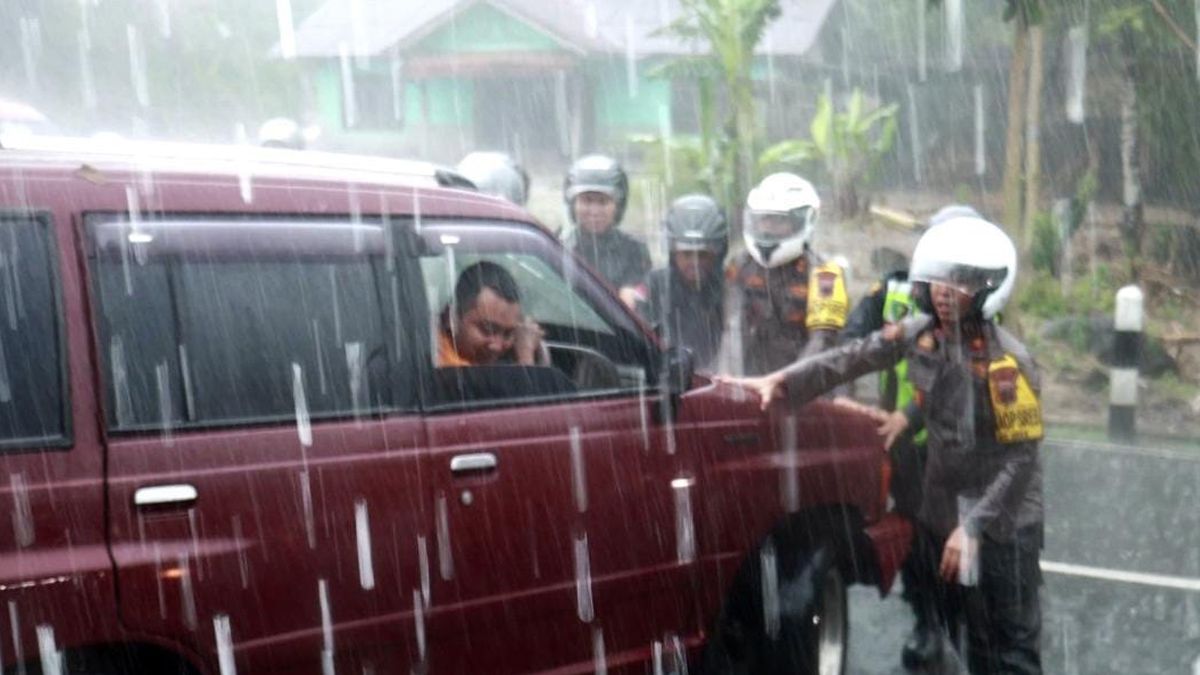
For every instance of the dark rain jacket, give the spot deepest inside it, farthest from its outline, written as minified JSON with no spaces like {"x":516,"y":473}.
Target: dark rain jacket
{"x":684,"y":315}
{"x":992,"y":488}
{"x":771,"y":307}
{"x":620,"y":259}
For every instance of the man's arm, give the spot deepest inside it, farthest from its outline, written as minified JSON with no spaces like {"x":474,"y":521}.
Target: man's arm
{"x":867,"y":315}
{"x":1019,"y":467}
{"x":812,"y":376}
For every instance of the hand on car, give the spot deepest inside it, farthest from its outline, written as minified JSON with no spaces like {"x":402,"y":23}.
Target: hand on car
{"x":958,"y":556}
{"x":769,"y":387}
{"x":528,"y":342}
{"x":891,"y":426}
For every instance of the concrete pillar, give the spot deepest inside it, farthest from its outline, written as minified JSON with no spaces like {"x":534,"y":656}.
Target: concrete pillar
{"x":1127,"y":351}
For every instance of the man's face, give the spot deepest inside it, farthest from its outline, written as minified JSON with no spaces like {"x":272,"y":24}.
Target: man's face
{"x":486,"y":331}
{"x":776,"y":226}
{"x":950,"y":303}
{"x":694,"y":266}
{"x":595,"y":212}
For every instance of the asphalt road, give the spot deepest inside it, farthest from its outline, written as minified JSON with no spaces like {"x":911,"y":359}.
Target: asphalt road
{"x":1121,"y":569}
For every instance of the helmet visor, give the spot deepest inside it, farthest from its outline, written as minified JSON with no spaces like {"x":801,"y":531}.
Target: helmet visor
{"x":774,"y":227}
{"x":967,"y":279}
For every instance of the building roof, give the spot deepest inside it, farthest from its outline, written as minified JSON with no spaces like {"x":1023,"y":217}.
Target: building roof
{"x":375,"y":27}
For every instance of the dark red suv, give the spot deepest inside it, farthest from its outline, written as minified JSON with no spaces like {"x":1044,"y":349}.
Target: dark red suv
{"x":225,"y":445}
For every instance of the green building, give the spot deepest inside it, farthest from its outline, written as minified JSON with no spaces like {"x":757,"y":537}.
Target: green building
{"x":546,"y":80}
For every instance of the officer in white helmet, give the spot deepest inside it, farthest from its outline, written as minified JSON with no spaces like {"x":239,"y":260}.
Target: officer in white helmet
{"x":785,"y":299}
{"x":980,"y":524}
{"x":496,"y":173}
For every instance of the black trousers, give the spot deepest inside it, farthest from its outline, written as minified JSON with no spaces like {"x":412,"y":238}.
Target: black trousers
{"x":908,"y":470}
{"x":1002,"y":612}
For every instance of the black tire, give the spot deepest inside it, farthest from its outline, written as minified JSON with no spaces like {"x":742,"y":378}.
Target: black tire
{"x":804,"y":630}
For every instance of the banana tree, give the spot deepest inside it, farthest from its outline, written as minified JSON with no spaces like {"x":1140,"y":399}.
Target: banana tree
{"x":845,"y":146}
{"x":730,"y":30}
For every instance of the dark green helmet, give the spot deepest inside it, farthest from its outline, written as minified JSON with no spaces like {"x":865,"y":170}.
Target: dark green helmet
{"x":696,"y":222}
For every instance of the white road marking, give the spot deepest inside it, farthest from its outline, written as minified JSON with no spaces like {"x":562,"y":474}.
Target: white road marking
{"x":1159,"y":580}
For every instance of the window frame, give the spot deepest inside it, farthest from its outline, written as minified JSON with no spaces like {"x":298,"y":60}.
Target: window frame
{"x":390,"y":325}
{"x":589,"y":289}
{"x":65,"y":440}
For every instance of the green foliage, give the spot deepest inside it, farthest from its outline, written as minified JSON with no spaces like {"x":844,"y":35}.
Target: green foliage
{"x":678,"y":164}
{"x":1043,"y":296}
{"x":1046,"y":247}
{"x":730,"y":30}
{"x":845,"y":146}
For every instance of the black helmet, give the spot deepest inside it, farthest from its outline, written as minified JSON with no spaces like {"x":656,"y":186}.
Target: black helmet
{"x":694,"y":223}
{"x":596,"y":173}
{"x":496,"y":173}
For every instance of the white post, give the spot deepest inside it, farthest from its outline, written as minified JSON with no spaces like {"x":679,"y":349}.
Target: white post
{"x":1127,"y":350}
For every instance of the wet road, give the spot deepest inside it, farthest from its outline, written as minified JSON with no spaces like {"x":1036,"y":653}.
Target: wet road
{"x":1121,"y":566}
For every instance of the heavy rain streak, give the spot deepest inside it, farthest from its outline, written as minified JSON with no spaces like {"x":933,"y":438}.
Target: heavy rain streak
{"x":599,"y":336}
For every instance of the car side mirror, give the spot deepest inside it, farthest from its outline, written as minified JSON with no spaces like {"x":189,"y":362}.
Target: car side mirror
{"x":679,"y":368}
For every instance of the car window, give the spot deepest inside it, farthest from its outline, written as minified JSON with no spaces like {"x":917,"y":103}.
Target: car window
{"x":233,"y":322}
{"x":587,"y":349}
{"x":32,"y":389}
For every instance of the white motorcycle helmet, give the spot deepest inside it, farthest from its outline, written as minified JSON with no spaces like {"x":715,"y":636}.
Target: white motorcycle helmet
{"x":496,"y":173}
{"x":781,"y":214}
{"x":972,"y":255}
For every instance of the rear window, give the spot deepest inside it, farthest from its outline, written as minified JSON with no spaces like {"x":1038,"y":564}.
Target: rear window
{"x":216,"y":322}
{"x":32,"y":375}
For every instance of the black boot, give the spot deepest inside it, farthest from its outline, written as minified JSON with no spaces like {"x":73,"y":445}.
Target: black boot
{"x":923,"y":646}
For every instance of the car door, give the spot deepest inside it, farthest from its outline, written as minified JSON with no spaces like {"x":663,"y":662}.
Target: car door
{"x":263,"y":441}
{"x":561,"y":540}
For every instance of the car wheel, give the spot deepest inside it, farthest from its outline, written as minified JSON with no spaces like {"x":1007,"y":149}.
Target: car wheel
{"x":786,"y":615}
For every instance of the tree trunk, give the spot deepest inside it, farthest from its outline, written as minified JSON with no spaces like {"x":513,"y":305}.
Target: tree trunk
{"x":1033,"y":130}
{"x":1131,"y":174}
{"x":1014,"y":139}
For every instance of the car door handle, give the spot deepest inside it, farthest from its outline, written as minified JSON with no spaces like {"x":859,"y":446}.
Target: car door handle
{"x":472,"y":463}
{"x":180,"y":494}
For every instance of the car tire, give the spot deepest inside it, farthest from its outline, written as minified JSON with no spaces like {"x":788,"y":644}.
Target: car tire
{"x":804,"y":632}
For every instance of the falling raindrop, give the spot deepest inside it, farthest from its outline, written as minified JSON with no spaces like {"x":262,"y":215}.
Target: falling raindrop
{"x":14,"y":624}
{"x":137,"y":66}
{"x":423,"y":561}
{"x":1077,"y":46}
{"x":22,"y":515}
{"x":445,"y":556}
{"x":326,"y":628}
{"x":303,"y":424}
{"x":349,"y":105}
{"x":185,"y":368}
{"x":158,"y":577}
{"x":578,"y":471}
{"x":770,"y":589}
{"x":396,"y":68}
{"x":980,"y":128}
{"x":362,"y":530}
{"x":358,"y":35}
{"x":87,"y":79}
{"x":922,"y":41}
{"x":591,"y":23}
{"x":631,"y":71}
{"x":187,"y":594}
{"x":419,"y":623}
{"x":685,"y":527}
{"x":356,"y":367}
{"x":243,"y":562}
{"x":599,"y":660}
{"x":244,"y":170}
{"x":676,"y":655}
{"x":52,"y":659}
{"x":953,"y":13}
{"x":5,"y":382}
{"x":166,"y":416}
{"x":31,"y":44}
{"x":583,"y":580}
{"x":306,"y":502}
{"x":287,"y":29}
{"x":666,"y":133}
{"x":656,"y":651}
{"x":164,"y":17}
{"x":643,"y":411}
{"x":790,"y":476}
{"x":120,"y":374}
{"x":914,"y":132}
{"x":224,"y":636}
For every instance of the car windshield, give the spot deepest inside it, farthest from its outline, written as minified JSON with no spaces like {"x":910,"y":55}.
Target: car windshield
{"x":349,"y":335}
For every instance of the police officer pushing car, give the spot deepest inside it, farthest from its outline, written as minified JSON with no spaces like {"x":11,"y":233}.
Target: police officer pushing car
{"x":980,"y":524}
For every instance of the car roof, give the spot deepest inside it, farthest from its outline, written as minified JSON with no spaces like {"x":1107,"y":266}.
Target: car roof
{"x":115,"y":160}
